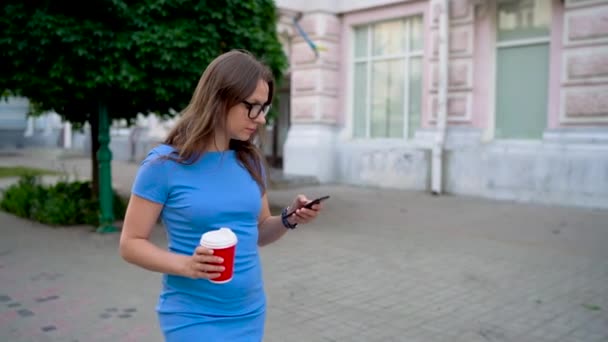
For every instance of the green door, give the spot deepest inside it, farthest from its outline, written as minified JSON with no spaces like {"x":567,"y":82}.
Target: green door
{"x":522,"y":68}
{"x":521,"y":91}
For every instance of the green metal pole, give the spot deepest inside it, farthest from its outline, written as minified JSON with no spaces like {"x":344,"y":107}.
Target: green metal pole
{"x":104,"y":159}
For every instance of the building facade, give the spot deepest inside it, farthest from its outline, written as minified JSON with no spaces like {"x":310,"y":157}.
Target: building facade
{"x":491,"y":98}
{"x":18,"y":130}
{"x":503,"y":99}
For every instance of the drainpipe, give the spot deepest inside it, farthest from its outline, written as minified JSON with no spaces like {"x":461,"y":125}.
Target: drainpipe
{"x":442,"y":99}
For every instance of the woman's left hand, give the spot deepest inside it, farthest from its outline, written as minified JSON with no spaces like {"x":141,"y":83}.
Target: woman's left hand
{"x":303,"y":215}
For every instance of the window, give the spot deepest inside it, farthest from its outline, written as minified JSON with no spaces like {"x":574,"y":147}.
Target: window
{"x":523,"y":19}
{"x":387,"y":69}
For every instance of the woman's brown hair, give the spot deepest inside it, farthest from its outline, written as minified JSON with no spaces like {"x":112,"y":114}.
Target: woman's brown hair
{"x":227,"y":80}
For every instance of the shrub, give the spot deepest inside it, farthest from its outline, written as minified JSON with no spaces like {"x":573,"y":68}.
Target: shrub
{"x":62,"y":204}
{"x":17,"y":199}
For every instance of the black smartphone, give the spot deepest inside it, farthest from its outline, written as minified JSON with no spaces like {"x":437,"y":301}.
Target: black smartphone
{"x":310,"y":204}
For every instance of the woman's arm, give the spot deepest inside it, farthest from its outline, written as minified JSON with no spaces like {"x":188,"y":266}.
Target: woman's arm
{"x":136,"y":248}
{"x":271,"y":228}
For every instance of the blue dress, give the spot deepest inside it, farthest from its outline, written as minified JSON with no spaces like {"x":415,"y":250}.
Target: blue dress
{"x":216,"y":191}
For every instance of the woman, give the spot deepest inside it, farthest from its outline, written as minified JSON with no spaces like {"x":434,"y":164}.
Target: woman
{"x":208,"y":174}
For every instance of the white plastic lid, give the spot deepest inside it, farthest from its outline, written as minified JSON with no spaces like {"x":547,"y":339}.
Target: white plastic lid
{"x":220,"y":238}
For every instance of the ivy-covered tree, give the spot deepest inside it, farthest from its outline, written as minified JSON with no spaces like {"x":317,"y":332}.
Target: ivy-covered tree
{"x":84,"y":59}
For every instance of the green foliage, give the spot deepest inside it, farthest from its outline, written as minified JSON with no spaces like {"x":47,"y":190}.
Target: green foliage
{"x":17,"y":199}
{"x":64,"y":203}
{"x":140,"y":56}
{"x":136,"y":56}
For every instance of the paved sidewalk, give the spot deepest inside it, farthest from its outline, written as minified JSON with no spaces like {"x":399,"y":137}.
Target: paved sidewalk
{"x":376,"y":266}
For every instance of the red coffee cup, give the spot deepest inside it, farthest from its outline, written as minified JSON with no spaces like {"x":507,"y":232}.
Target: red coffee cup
{"x":223,"y":243}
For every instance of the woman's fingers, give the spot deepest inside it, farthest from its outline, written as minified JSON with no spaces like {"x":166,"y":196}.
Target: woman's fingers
{"x":205,"y":264}
{"x":205,"y":255}
{"x":207,"y":271}
{"x":210,"y":268}
{"x":304,"y":215}
{"x":208,"y":259}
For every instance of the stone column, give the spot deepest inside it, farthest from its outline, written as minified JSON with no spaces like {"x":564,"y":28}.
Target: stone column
{"x":29,"y":131}
{"x":67,"y":135}
{"x":309,"y":148}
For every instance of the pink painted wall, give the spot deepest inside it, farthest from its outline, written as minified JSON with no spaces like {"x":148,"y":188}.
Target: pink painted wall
{"x":370,"y":16}
{"x":483,"y":69}
{"x":555,"y":66}
{"x":583,"y":84}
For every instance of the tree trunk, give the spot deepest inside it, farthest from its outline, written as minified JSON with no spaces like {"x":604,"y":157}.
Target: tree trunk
{"x":94,"y":122}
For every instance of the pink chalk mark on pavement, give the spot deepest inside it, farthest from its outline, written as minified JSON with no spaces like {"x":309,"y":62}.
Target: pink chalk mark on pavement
{"x":137,"y":333}
{"x":8,"y":316}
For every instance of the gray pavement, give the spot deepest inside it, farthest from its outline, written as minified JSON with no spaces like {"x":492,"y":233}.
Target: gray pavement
{"x":378,"y":265}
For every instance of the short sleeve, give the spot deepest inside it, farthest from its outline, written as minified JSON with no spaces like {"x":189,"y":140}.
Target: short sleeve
{"x":151,"y":180}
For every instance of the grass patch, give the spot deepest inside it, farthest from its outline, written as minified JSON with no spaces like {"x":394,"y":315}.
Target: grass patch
{"x":592,"y":307}
{"x":19,"y":171}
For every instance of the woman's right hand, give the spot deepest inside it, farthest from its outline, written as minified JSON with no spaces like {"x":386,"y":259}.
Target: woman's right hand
{"x":202,"y":264}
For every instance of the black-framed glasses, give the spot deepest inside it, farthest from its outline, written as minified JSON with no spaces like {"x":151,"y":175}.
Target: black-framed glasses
{"x":254,"y":110}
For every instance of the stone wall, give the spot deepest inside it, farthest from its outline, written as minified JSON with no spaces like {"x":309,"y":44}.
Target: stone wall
{"x":584,"y":74}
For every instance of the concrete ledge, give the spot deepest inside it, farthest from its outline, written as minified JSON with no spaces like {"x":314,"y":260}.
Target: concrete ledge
{"x":533,"y":172}
{"x":577,"y":135}
{"x":455,"y":137}
{"x":388,"y":164}
{"x":309,"y":151}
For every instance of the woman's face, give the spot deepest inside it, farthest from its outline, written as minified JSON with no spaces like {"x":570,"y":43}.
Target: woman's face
{"x":239,"y":124}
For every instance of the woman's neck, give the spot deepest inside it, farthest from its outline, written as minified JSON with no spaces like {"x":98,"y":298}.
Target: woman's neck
{"x":219,"y":143}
